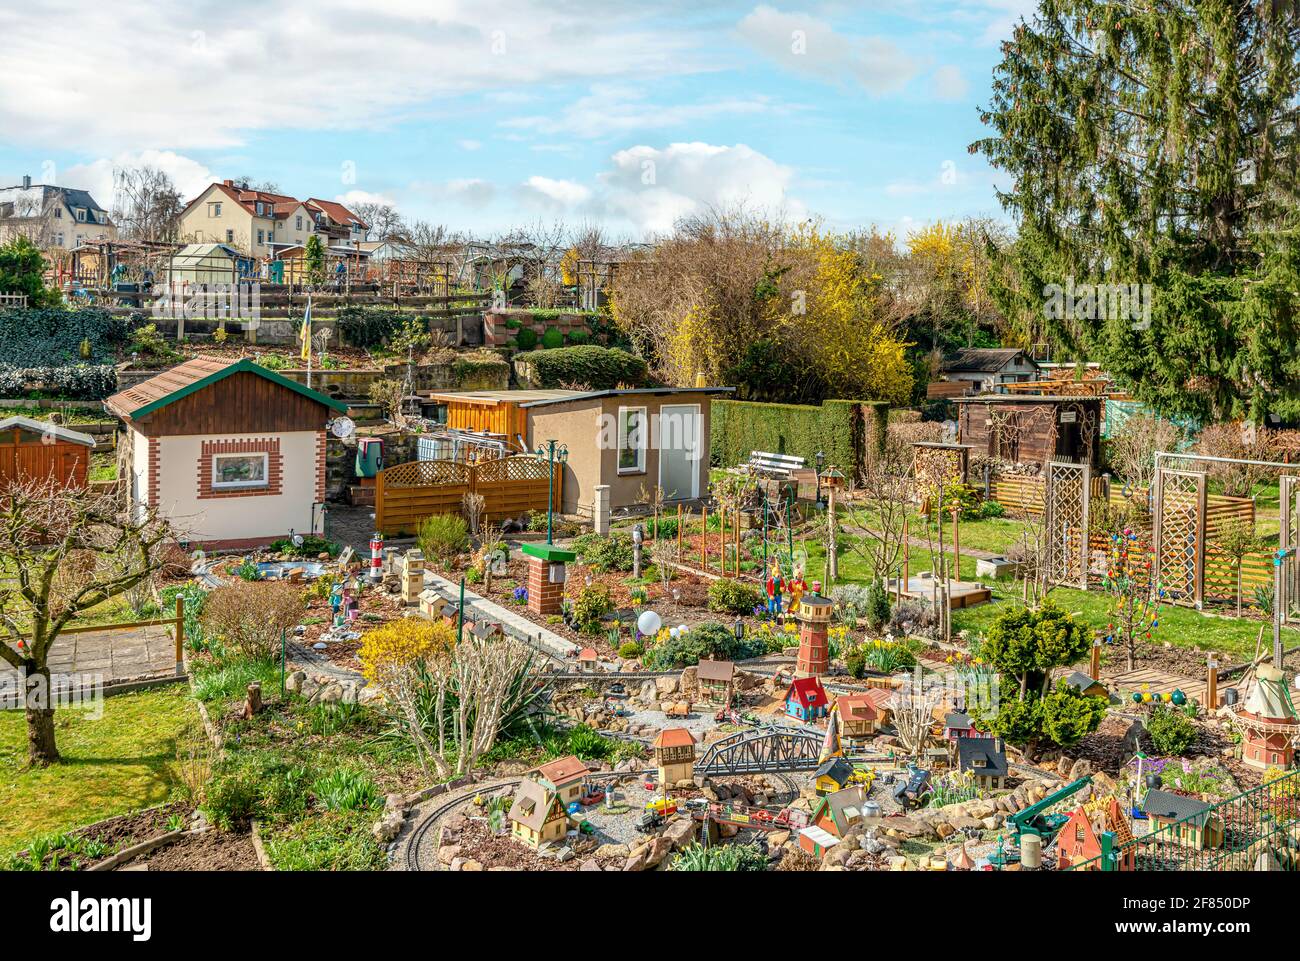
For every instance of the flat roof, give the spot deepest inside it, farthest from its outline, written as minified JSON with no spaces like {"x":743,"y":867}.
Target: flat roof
{"x":593,"y":394}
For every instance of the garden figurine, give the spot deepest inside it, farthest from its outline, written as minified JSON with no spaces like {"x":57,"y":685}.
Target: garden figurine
{"x":775,"y":588}
{"x":798,"y":587}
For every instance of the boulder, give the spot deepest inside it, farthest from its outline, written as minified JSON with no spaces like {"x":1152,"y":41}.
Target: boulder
{"x":664,"y":686}
{"x":448,"y":853}
{"x":1080,"y":768}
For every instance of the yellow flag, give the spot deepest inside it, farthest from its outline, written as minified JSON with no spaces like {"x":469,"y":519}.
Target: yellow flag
{"x":304,"y":335}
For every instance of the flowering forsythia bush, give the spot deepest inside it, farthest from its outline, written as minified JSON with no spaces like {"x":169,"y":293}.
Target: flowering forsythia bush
{"x":399,"y":646}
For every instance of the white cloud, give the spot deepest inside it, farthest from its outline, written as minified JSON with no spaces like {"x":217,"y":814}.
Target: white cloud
{"x":201,"y":78}
{"x":948,"y":83}
{"x":805,"y":44}
{"x":354,"y":197}
{"x":614,"y":109}
{"x":469,"y":144}
{"x":190,"y":176}
{"x":645,"y":189}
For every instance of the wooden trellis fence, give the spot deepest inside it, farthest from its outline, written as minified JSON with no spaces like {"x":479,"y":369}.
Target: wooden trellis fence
{"x":1067,"y":496}
{"x":510,"y":486}
{"x":1178,"y":522}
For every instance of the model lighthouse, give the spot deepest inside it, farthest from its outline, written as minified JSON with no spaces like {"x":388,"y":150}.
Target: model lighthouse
{"x":814,"y":616}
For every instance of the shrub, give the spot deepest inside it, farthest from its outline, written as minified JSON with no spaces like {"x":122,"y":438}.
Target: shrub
{"x":664,"y":527}
{"x":729,"y":857}
{"x":991,"y":508}
{"x":851,"y":601}
{"x":1172,"y":732}
{"x":249,"y":616}
{"x":730,"y":596}
{"x":552,"y":338}
{"x":600,"y":368}
{"x":370,"y":327}
{"x":605,"y":552}
{"x":442,"y":536}
{"x":575,"y":337}
{"x":912,"y":616}
{"x":589,"y":606}
{"x":877,"y":612}
{"x":391,"y":649}
{"x":526,"y":338}
{"x":57,"y":336}
{"x":629,"y":650}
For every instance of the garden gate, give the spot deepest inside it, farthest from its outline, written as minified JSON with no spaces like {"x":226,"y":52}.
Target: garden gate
{"x":1067,"y":497}
{"x":1179,"y":522}
{"x":1289,"y":542}
{"x":511,"y":486}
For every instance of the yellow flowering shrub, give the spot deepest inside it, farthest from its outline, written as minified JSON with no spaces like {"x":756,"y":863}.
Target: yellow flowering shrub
{"x":399,"y":645}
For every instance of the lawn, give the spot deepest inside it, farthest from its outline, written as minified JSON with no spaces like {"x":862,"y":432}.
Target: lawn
{"x":121,"y":762}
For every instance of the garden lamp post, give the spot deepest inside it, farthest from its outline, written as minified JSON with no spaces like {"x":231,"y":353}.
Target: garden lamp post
{"x":821,"y":460}
{"x":550,"y":454}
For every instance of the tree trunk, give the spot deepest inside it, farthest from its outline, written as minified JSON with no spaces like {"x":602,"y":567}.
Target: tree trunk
{"x":41,"y":749}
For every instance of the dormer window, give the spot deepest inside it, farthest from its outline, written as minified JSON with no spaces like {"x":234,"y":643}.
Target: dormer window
{"x":81,"y":215}
{"x":259,"y":208}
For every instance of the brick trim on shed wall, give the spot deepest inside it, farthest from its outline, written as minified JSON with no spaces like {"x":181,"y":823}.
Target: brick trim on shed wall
{"x":151,"y":478}
{"x":262,"y":445}
{"x":321,"y":445}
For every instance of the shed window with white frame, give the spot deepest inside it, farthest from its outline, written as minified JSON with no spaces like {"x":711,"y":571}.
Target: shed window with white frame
{"x":238,"y":470}
{"x":631,"y":440}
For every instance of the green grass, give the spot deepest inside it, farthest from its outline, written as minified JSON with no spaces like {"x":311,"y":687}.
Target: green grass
{"x":122,"y":762}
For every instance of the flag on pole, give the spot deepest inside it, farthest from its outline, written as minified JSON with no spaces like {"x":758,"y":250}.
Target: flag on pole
{"x":305,"y":334}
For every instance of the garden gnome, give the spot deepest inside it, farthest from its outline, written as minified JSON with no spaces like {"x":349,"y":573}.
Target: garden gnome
{"x":798,"y":587}
{"x":775,"y":586}
{"x":336,"y":598}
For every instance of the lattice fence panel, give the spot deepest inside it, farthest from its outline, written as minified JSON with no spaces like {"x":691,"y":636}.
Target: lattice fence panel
{"x":1067,"y":494}
{"x":1179,"y":522}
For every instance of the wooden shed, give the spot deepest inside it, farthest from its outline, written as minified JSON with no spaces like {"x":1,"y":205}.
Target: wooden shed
{"x":232,"y":453}
{"x":1032,"y":429}
{"x":496,"y":412}
{"x":36,"y":450}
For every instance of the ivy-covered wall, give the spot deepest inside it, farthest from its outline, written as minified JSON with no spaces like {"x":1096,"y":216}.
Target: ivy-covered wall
{"x":848,"y":432}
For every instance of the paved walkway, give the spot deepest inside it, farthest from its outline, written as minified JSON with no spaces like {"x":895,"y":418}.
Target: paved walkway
{"x":515,"y":625}
{"x":117,"y":655}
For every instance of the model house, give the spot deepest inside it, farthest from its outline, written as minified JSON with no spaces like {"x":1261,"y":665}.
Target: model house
{"x":715,"y":680}
{"x":231,"y":453}
{"x":858,"y":715}
{"x":674,"y":750}
{"x":1079,"y":841}
{"x":1086,"y":685}
{"x":536,"y":816}
{"x":52,"y":217}
{"x":839,"y":812}
{"x":1183,"y":820}
{"x":833,"y":775}
{"x":1268,"y":722}
{"x":985,"y":758}
{"x":806,"y":700}
{"x":956,"y":724}
{"x":564,"y":776}
{"x":628,"y":440}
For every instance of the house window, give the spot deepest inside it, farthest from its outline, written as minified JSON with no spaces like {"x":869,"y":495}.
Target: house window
{"x":261,"y":236}
{"x":631,"y":440}
{"x":81,"y":215}
{"x":238,"y":470}
{"x":259,"y":208}
{"x":298,"y":222}
{"x":58,"y":213}
{"x":230,"y":236}
{"x":214,"y":210}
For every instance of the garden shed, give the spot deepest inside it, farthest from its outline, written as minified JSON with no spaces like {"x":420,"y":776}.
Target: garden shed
{"x":207,"y":264}
{"x":37,"y":450}
{"x":1032,"y":429}
{"x":232,"y":453}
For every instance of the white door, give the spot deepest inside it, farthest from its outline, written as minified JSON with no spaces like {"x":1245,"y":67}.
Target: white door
{"x":680,"y":450}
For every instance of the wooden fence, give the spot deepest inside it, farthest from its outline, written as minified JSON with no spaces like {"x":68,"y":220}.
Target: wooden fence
{"x":510,"y":486}
{"x":1021,"y":494}
{"x":1220,"y":576}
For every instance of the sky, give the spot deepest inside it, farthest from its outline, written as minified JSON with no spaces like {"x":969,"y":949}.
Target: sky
{"x":485,"y":115}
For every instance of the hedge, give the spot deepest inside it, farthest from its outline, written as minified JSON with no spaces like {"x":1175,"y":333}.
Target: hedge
{"x":57,"y":336}
{"x":74,"y":382}
{"x":844,"y":430}
{"x":600,"y":368}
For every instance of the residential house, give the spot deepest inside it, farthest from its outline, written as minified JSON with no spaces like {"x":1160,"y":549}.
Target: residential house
{"x":859,"y":717}
{"x":806,"y":700}
{"x":1078,"y":845}
{"x":715,"y":679}
{"x":232,"y":453}
{"x":980,"y":370}
{"x":674,"y":750}
{"x":1183,"y":820}
{"x":536,"y":816}
{"x":53,"y":218}
{"x":985,"y":758}
{"x":336,"y":222}
{"x":257,"y":222}
{"x":565,"y":777}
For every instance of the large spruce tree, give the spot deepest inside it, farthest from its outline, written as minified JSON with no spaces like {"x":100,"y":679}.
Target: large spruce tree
{"x":1155,"y":142}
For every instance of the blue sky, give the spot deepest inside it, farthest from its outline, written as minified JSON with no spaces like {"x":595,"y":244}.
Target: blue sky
{"x":495,"y":113}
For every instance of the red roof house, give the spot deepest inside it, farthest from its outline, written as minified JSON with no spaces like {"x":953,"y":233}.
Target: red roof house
{"x":806,"y":700}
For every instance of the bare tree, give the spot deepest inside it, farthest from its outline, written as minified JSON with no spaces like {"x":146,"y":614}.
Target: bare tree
{"x":384,"y":220}
{"x":55,"y":543}
{"x":913,"y":710}
{"x":877,"y":512}
{"x":146,"y":204}
{"x":1132,"y":448}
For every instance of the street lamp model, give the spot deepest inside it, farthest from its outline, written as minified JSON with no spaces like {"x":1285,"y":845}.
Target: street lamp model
{"x":550,"y":454}
{"x":821,"y":459}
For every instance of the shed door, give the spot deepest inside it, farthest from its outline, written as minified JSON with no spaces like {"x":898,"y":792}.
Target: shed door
{"x":680,"y":450}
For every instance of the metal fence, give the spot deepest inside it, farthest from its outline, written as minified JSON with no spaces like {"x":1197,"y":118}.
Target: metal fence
{"x":1256,"y":830}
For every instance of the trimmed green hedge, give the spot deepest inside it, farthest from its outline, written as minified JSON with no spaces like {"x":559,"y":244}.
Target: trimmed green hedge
{"x":54,"y":336}
{"x":601,"y":368}
{"x":838,"y":428}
